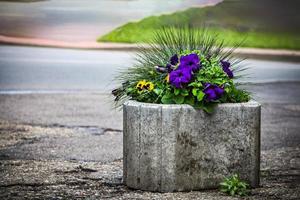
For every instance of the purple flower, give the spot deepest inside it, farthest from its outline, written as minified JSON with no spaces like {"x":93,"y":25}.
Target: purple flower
{"x":179,"y":77}
{"x":226,"y":69}
{"x":174,"y":60}
{"x":169,"y":67}
{"x":212,"y":92}
{"x":191,"y":61}
{"x":161,"y":69}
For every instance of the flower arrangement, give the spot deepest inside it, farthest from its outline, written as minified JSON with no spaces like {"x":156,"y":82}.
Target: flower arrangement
{"x":183,"y":66}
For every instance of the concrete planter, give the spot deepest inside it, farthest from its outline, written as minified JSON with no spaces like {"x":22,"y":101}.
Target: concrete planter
{"x":178,"y":148}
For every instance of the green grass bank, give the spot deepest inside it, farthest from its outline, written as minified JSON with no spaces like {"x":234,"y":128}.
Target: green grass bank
{"x":258,"y":23}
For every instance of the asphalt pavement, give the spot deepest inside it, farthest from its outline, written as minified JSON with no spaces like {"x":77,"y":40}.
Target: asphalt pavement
{"x":44,"y":70}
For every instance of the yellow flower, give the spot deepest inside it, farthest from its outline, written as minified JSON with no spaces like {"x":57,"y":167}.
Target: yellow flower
{"x":149,"y":86}
{"x":140,"y":85}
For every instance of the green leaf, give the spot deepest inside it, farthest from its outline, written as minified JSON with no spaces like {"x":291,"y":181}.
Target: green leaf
{"x":234,"y":188}
{"x":232,"y":192}
{"x":227,"y":89}
{"x":176,"y":91}
{"x":209,"y":108}
{"x":167,"y":99}
{"x":157,"y":91}
{"x":200,"y":78}
{"x":179,"y":99}
{"x":200,"y":96}
{"x":192,"y":84}
{"x":195,"y":92}
{"x":130,"y":89}
{"x":224,"y":184}
{"x":184,"y":92}
{"x":189,"y":100}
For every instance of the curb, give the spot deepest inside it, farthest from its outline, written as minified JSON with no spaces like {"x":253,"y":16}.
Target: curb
{"x":129,"y":47}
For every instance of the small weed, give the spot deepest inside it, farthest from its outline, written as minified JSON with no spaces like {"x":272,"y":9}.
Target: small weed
{"x":233,"y":186}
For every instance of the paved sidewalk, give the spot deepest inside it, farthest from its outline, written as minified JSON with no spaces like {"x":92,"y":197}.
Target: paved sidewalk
{"x":58,"y":146}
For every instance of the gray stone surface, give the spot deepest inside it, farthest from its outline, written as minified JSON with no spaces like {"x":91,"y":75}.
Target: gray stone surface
{"x":70,"y":109}
{"x":179,"y":148}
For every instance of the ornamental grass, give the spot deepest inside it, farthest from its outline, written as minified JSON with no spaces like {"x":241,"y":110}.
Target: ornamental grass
{"x":183,"y":66}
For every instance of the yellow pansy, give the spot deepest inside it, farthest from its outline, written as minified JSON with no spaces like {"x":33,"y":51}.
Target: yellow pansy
{"x":149,"y":86}
{"x":140,"y":85}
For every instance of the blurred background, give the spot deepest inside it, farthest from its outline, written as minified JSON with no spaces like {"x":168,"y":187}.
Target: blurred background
{"x":58,"y":59}
{"x":80,"y":20}
{"x":116,"y":25}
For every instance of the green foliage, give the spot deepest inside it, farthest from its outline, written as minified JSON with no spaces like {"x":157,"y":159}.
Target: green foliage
{"x":233,"y":186}
{"x":184,"y":41}
{"x":233,"y":21}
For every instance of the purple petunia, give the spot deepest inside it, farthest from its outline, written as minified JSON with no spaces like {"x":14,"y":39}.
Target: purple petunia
{"x":174,"y":60}
{"x":190,"y":61}
{"x":179,"y":77}
{"x":226,"y":69}
{"x":169,"y":67}
{"x":212,"y":92}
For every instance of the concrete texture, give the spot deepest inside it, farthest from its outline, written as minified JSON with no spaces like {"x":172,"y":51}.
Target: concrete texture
{"x":71,"y":110}
{"x":178,"y":148}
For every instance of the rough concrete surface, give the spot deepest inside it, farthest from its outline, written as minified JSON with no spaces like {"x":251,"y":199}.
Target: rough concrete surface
{"x":68,"y":146}
{"x":178,"y":148}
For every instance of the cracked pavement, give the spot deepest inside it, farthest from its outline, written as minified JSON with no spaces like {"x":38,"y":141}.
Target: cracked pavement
{"x":67,"y":146}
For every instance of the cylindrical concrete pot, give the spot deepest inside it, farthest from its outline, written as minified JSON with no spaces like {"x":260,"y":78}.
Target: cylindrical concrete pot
{"x":179,"y":148}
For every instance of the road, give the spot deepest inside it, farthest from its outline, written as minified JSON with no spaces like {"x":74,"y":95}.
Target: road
{"x":44,"y":70}
{"x":28,"y":68}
